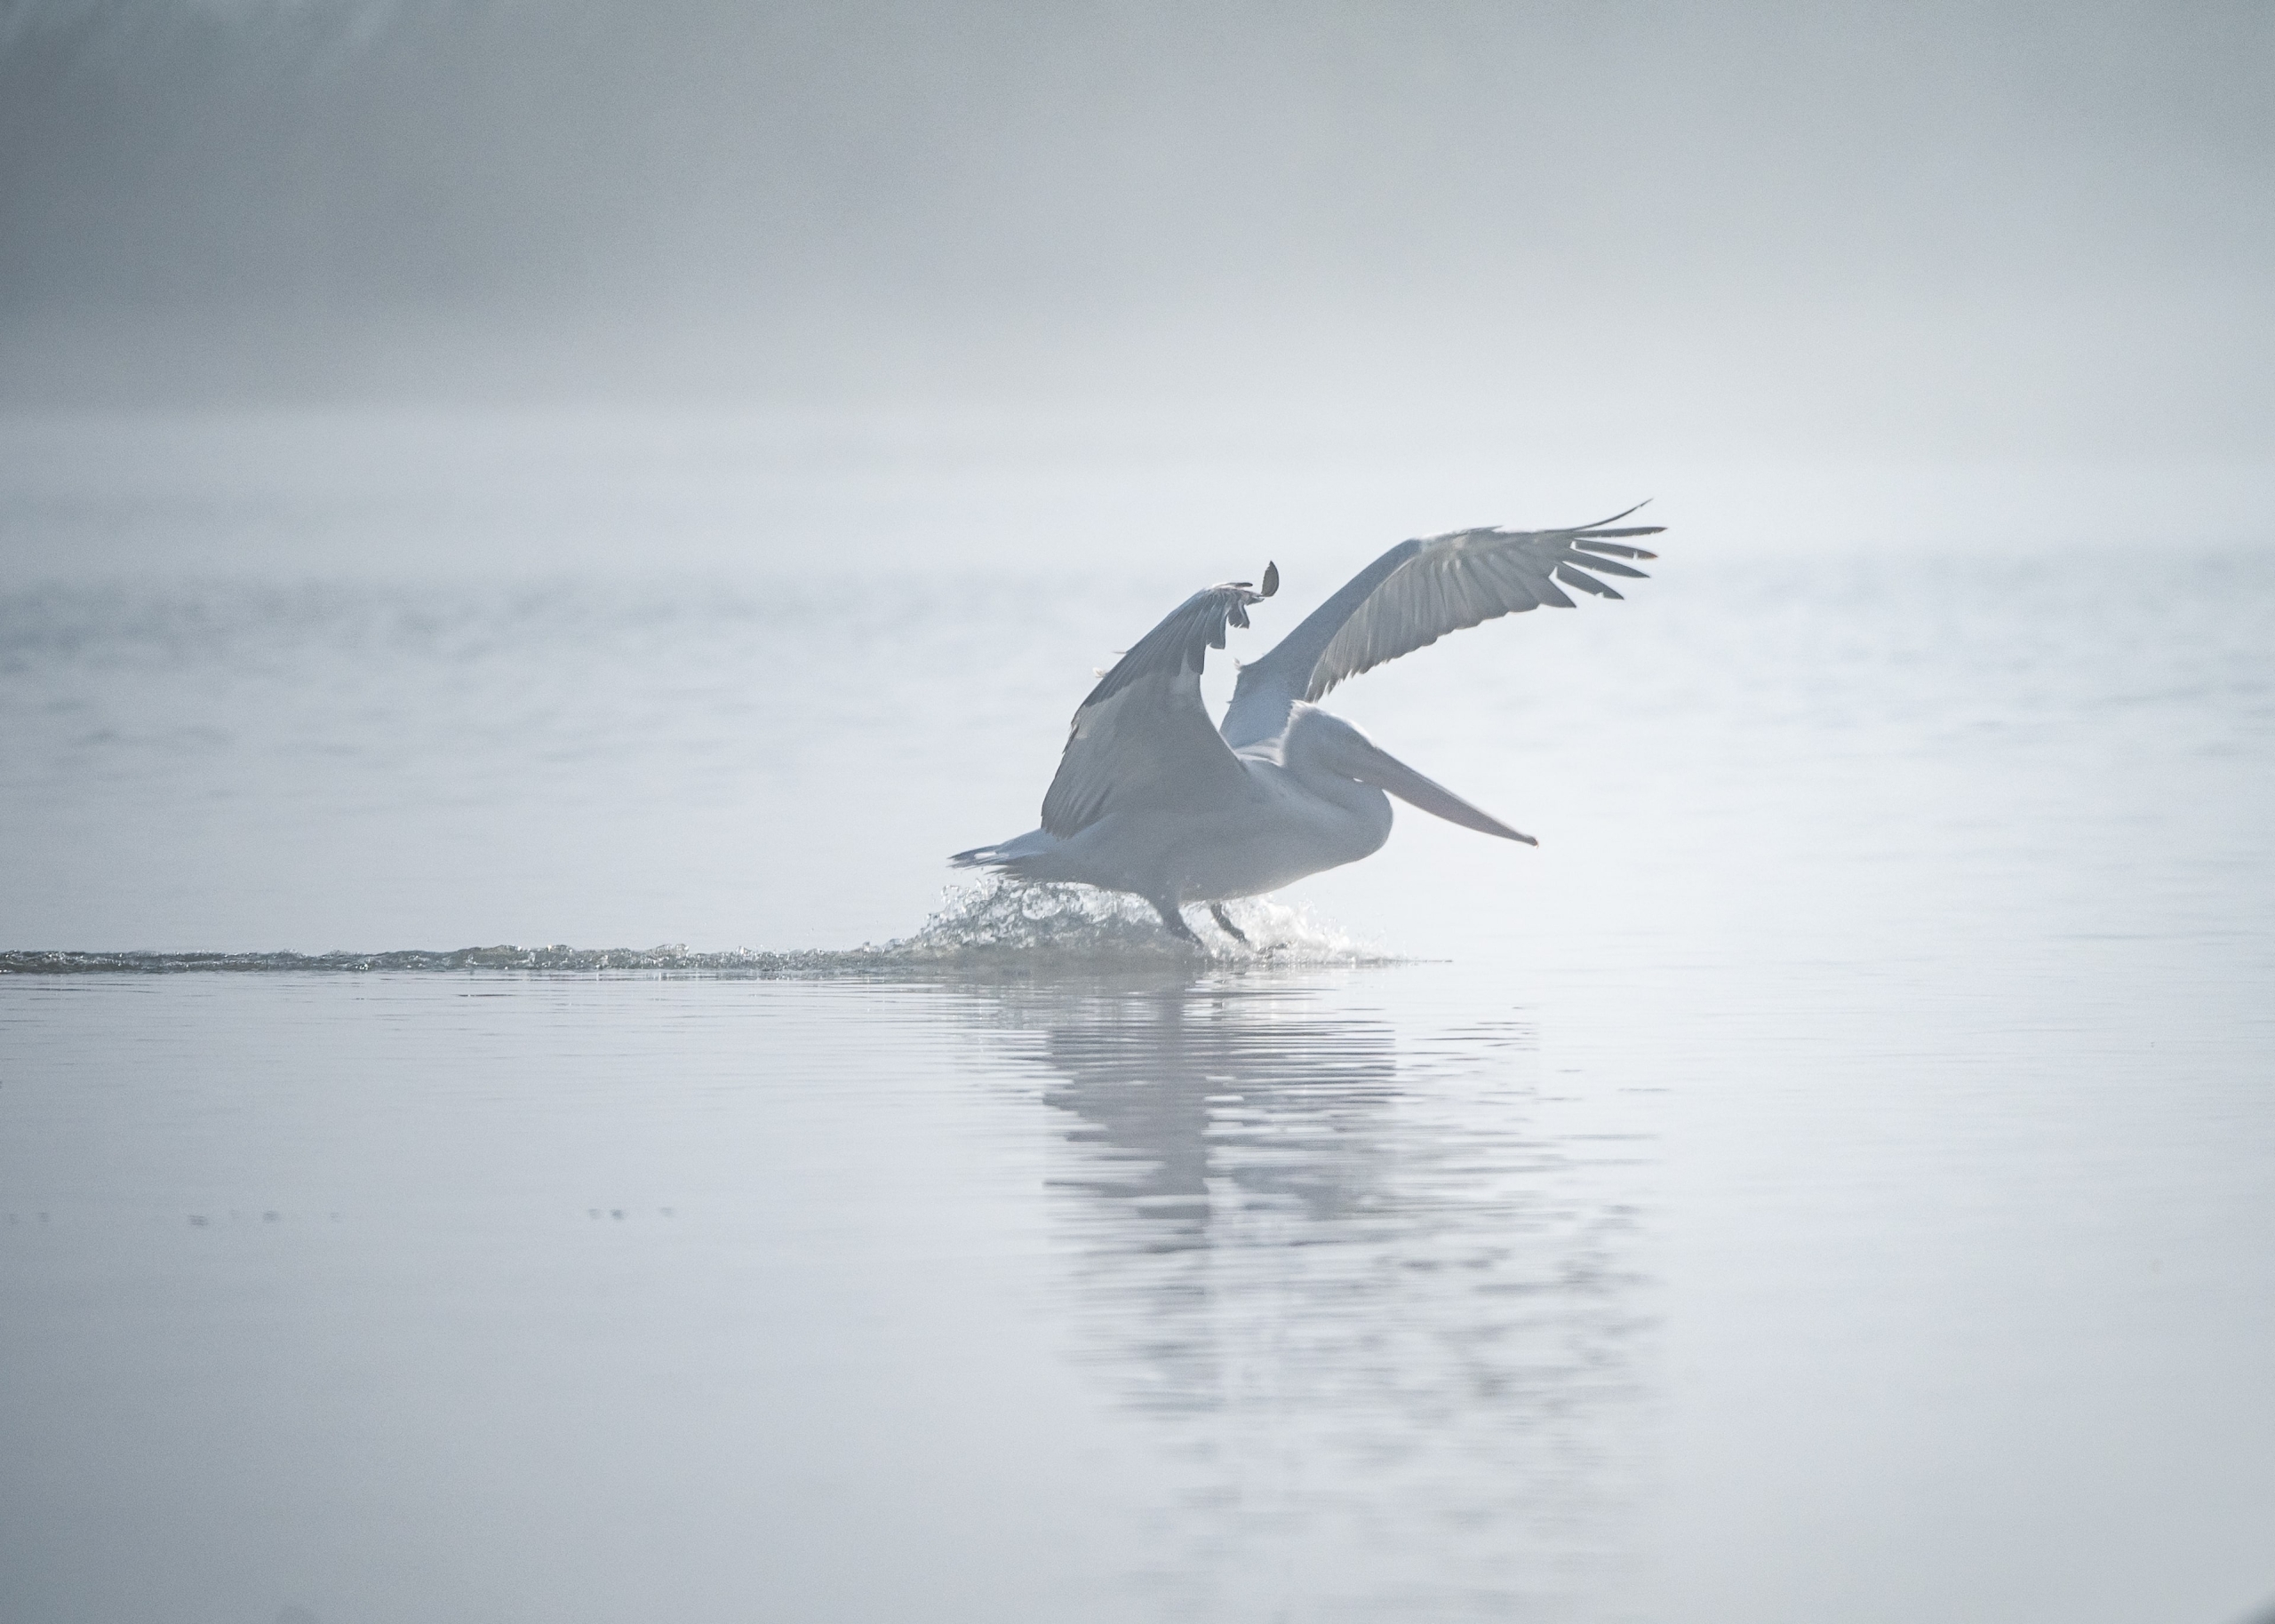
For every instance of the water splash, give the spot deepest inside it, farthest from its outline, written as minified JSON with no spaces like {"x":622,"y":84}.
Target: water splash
{"x":1006,"y":917}
{"x":996,"y":923}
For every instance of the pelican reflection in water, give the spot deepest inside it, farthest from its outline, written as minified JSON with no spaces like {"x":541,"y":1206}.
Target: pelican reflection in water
{"x":1150,"y":799}
{"x":1371,"y":1283}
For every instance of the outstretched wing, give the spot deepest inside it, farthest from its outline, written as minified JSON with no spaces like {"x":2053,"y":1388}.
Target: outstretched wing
{"x":1143,"y":739}
{"x":1413,"y":595}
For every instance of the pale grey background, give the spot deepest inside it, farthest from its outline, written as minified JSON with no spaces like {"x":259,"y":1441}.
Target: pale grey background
{"x":480,"y":473}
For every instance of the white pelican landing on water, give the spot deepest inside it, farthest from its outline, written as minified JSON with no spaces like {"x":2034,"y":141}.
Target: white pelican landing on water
{"x":1150,"y":799}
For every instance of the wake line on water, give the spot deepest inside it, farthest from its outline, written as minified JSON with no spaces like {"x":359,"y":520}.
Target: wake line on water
{"x":1000,"y":924}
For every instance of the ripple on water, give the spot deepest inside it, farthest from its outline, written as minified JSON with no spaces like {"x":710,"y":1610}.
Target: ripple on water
{"x":997,"y":922}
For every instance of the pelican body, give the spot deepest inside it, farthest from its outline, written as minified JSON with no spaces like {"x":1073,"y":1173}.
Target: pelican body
{"x":1151,"y":798}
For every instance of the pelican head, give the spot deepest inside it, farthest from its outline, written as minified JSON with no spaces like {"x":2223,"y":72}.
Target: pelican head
{"x":1318,"y":742}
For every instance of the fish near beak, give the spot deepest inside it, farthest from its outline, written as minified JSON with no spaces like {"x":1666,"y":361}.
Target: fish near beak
{"x":1386,"y":771}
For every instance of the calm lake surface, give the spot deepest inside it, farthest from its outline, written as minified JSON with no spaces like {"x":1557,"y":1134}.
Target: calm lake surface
{"x":1832,"y":1178}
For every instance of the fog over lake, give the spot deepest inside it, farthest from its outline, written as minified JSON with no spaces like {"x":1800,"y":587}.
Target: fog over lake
{"x":528,"y":533}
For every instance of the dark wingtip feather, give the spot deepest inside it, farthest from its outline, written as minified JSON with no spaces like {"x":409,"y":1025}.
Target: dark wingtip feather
{"x":1616,"y":517}
{"x":1585,"y":582}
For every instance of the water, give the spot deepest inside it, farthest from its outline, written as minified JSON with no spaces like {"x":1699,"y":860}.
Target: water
{"x":1832,"y":1177}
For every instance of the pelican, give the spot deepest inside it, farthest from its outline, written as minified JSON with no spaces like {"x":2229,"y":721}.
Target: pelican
{"x":1150,"y":799}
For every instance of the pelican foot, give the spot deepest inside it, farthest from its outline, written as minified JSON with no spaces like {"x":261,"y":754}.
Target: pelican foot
{"x":1173,"y":921}
{"x":1217,"y":913}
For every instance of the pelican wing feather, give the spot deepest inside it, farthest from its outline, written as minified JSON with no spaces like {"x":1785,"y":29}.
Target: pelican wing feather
{"x":1142,"y":738}
{"x":1413,"y":595}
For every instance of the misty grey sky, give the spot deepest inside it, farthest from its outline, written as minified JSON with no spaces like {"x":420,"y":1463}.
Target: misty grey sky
{"x":2013,"y":230}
